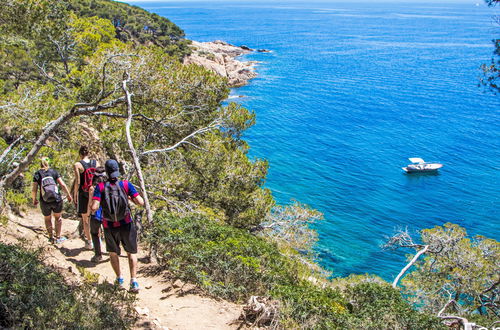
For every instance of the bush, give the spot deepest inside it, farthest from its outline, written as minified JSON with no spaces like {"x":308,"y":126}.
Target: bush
{"x":226,"y":261}
{"x":307,"y":306}
{"x":231,"y":263}
{"x":379,"y":306}
{"x":35,"y":296}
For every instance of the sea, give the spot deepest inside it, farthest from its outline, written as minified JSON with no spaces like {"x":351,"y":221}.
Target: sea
{"x":348,"y":92}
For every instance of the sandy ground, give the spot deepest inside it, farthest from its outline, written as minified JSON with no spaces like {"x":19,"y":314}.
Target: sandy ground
{"x":163,"y":302}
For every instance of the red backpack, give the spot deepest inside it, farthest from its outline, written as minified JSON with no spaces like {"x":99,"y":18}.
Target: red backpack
{"x":88,"y":174}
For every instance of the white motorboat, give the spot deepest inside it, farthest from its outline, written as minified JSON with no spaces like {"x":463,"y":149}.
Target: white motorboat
{"x":420,"y":166}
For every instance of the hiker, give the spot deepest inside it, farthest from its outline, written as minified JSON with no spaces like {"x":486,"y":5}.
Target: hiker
{"x":96,"y":216}
{"x":51,"y":202}
{"x":119,"y":228}
{"x":81,"y":195}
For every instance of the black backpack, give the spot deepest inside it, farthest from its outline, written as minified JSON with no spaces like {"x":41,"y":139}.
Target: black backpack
{"x":115,"y":206}
{"x":48,"y":187}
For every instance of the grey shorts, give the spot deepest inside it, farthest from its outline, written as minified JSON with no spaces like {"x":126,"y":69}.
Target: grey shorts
{"x":48,"y":208}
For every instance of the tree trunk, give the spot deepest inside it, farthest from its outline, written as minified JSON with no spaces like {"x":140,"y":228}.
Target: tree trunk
{"x":137,"y":164}
{"x":51,"y":128}
{"x":403,"y":271}
{"x":47,"y":132}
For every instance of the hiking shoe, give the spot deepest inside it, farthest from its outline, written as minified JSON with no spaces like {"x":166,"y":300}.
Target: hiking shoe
{"x":60,"y":240}
{"x":120,"y":282}
{"x":88,"y":245}
{"x":96,"y":259}
{"x":134,"y":287}
{"x":51,"y":240}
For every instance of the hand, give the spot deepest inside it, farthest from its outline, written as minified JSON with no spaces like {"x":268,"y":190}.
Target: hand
{"x":75,"y":201}
{"x":35,"y":201}
{"x":70,"y":199}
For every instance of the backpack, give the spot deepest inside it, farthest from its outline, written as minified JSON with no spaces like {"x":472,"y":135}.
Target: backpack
{"x":88,"y":174}
{"x":49,"y":190}
{"x":115,"y":206}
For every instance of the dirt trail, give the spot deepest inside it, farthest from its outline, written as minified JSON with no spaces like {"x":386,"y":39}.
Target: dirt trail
{"x":165,"y":303}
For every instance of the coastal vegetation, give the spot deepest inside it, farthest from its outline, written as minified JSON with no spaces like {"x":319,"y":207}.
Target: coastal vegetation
{"x":491,"y":78}
{"x":111,"y":74}
{"x":33,"y":295}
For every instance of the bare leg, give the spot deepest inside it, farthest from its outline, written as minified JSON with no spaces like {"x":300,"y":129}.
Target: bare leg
{"x":48,"y":225}
{"x":132,"y":264}
{"x":115,"y":263}
{"x":86,"y":226}
{"x":58,"y":224}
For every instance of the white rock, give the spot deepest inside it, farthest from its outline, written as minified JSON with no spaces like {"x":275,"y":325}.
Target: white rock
{"x":142,"y":311}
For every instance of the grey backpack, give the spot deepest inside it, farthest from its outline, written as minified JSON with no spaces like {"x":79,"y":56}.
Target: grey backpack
{"x":50,"y":192}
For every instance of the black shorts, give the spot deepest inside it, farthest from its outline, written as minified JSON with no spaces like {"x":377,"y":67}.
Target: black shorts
{"x":83,"y":202}
{"x":48,"y":208}
{"x":125,"y":234}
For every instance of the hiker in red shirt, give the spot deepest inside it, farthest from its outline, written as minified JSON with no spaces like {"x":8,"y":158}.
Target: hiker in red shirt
{"x":119,"y":229}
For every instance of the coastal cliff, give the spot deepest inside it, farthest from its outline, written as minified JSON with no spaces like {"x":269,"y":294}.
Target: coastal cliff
{"x":221,"y":58}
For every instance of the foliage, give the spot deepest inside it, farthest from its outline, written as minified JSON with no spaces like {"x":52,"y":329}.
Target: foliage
{"x":16,"y":199}
{"x":491,"y":71}
{"x":308,"y":306}
{"x":79,"y":62}
{"x":224,"y":260}
{"x":231,"y":263}
{"x":379,"y":306}
{"x":135,"y":24}
{"x":457,"y":268}
{"x":33,"y":295}
{"x":290,"y":227}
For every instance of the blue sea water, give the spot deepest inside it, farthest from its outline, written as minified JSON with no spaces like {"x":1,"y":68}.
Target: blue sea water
{"x":350,"y":91}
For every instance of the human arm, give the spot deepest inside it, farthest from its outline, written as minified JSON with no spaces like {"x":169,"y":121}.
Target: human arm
{"x":94,"y":205}
{"x":96,"y":199}
{"x":91,"y":201}
{"x":34,"y":189}
{"x":138,"y":200}
{"x":76,"y":181}
{"x":65,"y":188}
{"x":134,"y":195}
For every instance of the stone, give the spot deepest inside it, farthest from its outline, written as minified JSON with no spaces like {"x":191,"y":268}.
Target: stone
{"x":142,"y":311}
{"x":220,"y":57}
{"x":178,"y":283}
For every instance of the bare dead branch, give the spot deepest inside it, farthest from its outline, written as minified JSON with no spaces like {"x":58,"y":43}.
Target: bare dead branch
{"x":9,"y":148}
{"x":403,"y":271}
{"x":137,"y":164}
{"x":185,"y":140}
{"x":42,"y":70}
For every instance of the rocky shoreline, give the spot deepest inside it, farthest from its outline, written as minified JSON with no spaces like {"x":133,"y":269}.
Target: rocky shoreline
{"x":220,"y":57}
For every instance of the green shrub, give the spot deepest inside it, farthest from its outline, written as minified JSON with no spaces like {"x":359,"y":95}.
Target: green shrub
{"x":16,"y":199}
{"x":226,"y":261}
{"x":379,"y":306}
{"x":35,"y":296}
{"x":231,"y":263}
{"x":308,"y":306}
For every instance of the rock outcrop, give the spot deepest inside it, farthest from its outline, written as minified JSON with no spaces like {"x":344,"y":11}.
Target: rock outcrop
{"x":220,"y":57}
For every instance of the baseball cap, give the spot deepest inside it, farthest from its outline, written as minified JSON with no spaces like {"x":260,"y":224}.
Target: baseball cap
{"x":112,"y":168}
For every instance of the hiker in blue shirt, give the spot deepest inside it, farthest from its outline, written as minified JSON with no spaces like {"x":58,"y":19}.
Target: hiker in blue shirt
{"x":119,"y":229}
